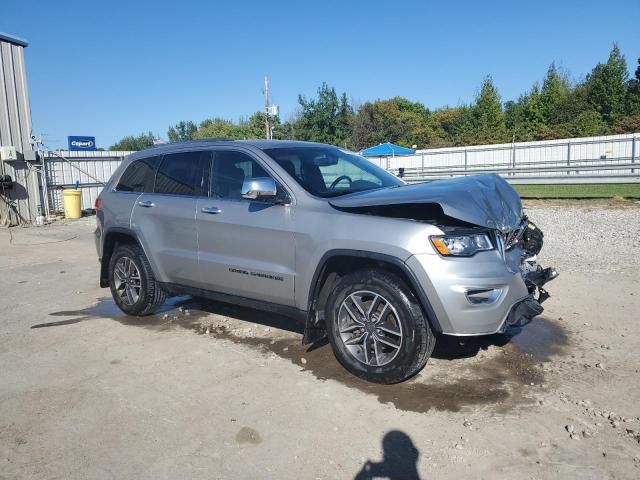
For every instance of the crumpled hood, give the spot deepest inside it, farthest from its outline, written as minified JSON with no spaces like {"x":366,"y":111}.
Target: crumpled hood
{"x":485,"y":200}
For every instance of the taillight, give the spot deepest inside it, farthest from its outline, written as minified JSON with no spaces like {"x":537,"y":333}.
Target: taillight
{"x":98,"y":204}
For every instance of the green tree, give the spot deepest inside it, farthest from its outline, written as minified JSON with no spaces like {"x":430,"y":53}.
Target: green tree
{"x":217,"y":127}
{"x":587,"y":124}
{"x":131,"y":143}
{"x":513,"y":114}
{"x":182,"y":131}
{"x":448,"y":125}
{"x":326,"y":119}
{"x":254,"y":126}
{"x":396,"y":120}
{"x":487,"y":119}
{"x":554,"y":93}
{"x":246,"y":128}
{"x":575,"y":103}
{"x":607,"y":87}
{"x":344,"y":118}
{"x":532,"y":124}
{"x":633,"y":94}
{"x":628,"y":124}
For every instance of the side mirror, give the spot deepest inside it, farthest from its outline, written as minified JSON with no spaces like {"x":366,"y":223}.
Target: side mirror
{"x":255,"y":187}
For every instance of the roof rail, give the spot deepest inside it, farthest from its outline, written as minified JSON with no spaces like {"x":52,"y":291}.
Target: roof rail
{"x":195,"y":140}
{"x":208,"y":139}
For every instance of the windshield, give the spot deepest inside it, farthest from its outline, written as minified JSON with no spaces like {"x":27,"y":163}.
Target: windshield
{"x":330,"y":172}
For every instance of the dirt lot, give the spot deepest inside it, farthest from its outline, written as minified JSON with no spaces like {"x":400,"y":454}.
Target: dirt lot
{"x":205,"y":390}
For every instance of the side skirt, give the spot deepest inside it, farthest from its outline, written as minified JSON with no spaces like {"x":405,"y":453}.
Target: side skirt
{"x":284,"y":310}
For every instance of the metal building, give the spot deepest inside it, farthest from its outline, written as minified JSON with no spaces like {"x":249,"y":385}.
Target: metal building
{"x":20,"y":203}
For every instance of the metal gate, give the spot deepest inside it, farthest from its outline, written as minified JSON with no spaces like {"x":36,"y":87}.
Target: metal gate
{"x":88,"y":171}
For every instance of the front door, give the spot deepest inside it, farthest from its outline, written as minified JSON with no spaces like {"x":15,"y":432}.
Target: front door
{"x":246,"y":246}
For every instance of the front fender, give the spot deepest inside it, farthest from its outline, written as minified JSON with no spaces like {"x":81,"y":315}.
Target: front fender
{"x":314,"y":324}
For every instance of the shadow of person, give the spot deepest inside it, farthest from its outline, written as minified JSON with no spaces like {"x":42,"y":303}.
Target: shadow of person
{"x":400,"y":459}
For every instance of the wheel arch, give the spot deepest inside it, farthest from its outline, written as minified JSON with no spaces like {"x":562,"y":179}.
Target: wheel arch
{"x":338,"y":262}
{"x":112,"y":238}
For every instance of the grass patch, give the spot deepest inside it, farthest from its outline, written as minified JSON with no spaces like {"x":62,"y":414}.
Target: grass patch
{"x":596,"y":190}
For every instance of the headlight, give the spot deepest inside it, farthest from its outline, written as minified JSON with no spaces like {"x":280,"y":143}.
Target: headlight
{"x":461,"y":245}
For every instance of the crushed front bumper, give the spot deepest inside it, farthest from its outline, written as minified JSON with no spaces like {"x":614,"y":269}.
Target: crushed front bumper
{"x":481,"y":295}
{"x":525,"y":310}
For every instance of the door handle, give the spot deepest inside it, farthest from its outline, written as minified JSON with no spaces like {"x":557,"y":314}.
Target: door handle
{"x":146,"y":203}
{"x":211,"y":210}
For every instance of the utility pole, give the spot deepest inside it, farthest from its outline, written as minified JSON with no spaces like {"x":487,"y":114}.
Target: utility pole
{"x":267,"y":106}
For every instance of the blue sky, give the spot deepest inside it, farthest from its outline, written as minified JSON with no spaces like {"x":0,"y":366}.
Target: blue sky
{"x":117,"y":68}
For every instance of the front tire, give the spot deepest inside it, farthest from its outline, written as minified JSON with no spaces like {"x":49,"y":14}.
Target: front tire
{"x":376,"y":327}
{"x":133,"y":285}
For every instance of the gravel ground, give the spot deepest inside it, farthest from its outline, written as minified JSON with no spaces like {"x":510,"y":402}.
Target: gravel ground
{"x":589,"y":237}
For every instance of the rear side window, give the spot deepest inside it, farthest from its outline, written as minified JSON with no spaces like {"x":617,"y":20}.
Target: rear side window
{"x":184,"y":173}
{"x":139,"y":176}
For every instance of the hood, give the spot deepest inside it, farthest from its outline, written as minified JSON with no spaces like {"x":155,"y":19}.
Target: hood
{"x":484,"y":200}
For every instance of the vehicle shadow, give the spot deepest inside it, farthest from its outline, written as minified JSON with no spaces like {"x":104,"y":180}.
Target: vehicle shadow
{"x":449,"y":347}
{"x":267,"y":319}
{"x":399,"y":459}
{"x":542,"y":337}
{"x":174,"y":310}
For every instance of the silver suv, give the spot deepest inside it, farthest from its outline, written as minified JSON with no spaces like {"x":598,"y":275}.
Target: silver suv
{"x":324,"y":236}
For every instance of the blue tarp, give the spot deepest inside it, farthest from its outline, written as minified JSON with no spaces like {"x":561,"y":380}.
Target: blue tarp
{"x":386,"y":150}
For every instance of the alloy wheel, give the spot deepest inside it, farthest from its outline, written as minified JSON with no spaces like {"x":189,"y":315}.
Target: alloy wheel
{"x":127,"y":281}
{"x":370,"y":328}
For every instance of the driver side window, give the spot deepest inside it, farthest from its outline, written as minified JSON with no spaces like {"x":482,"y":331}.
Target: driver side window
{"x":229,"y":169}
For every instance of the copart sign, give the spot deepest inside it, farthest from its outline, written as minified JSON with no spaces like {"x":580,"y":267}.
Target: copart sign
{"x":82,"y":143}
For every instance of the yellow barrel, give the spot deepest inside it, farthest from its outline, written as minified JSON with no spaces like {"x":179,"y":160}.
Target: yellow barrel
{"x":72,"y":200}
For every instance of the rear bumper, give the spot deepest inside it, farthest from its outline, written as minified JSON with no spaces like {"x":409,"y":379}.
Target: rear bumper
{"x":480,"y":295}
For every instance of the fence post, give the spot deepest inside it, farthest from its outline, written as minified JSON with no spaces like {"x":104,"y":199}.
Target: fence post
{"x":633,"y":152}
{"x":45,"y":184}
{"x":568,"y":157}
{"x":465,"y":161}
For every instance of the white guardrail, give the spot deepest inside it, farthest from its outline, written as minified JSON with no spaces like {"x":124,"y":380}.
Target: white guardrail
{"x":607,"y":159}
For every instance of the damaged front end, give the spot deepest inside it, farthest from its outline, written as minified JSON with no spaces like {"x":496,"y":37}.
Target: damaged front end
{"x":489,"y":291}
{"x":529,"y":239}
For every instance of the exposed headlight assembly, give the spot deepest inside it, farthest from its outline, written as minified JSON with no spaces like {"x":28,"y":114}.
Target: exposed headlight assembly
{"x":461,"y":245}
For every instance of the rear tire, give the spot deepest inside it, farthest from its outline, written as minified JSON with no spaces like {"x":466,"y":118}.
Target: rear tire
{"x":133,"y":285}
{"x":398,"y":339}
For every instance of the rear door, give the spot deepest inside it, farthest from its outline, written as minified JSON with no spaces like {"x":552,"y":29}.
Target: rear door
{"x":165,"y":218}
{"x":246,"y":246}
{"x":136,"y":179}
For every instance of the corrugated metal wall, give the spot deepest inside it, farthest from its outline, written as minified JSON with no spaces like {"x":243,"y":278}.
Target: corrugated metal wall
{"x":90,"y":169}
{"x":15,"y":130}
